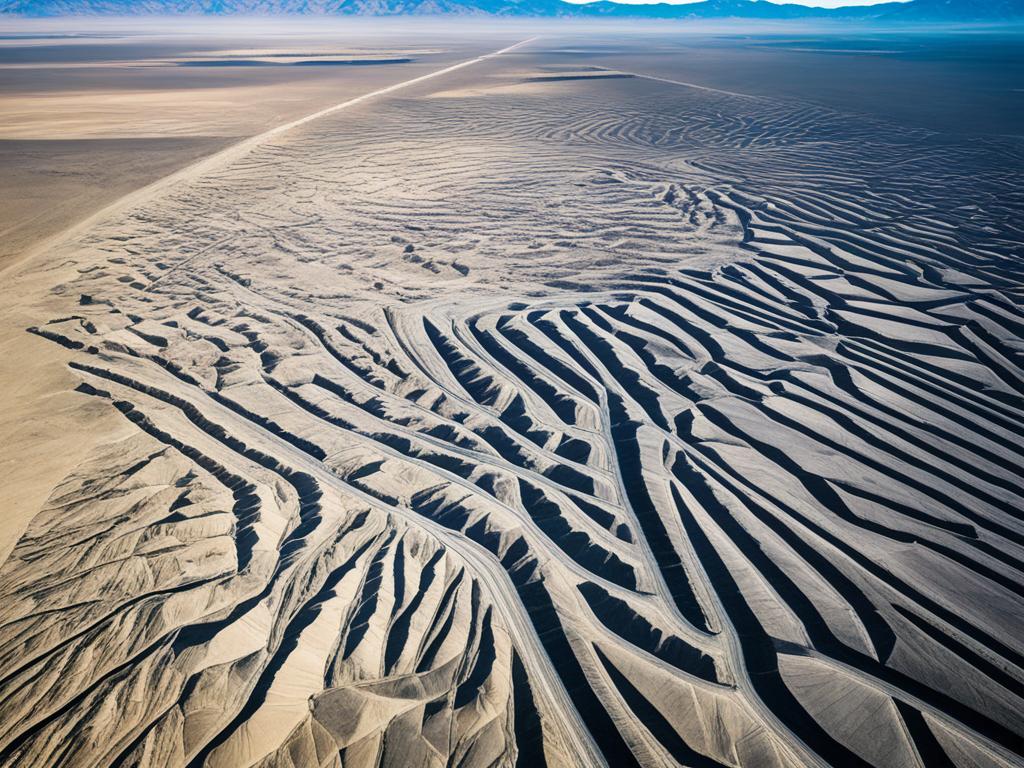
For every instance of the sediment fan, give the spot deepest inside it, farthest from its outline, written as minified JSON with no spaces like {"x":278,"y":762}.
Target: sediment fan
{"x":893,"y":12}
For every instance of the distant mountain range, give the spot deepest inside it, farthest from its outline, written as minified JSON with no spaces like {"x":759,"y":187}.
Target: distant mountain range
{"x":914,"y":11}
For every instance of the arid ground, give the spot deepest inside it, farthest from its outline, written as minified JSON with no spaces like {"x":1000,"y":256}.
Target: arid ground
{"x":511,"y":398}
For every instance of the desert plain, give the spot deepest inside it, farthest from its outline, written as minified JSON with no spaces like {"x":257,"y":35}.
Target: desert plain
{"x":507,"y":396}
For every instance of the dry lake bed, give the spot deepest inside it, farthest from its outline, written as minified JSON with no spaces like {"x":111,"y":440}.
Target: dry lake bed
{"x":394,"y":396}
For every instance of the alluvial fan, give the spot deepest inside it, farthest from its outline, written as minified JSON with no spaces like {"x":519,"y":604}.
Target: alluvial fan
{"x":533,"y":416}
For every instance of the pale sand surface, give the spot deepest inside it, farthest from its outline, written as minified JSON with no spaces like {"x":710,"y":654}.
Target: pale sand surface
{"x":84,"y":122}
{"x":527,"y":415}
{"x":48,"y":185}
{"x":71,"y":144}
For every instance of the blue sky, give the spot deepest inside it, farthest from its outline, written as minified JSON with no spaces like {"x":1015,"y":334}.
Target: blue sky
{"x":817,"y":3}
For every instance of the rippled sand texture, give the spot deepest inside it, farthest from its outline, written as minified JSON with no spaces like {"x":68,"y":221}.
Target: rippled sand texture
{"x":527,"y":416}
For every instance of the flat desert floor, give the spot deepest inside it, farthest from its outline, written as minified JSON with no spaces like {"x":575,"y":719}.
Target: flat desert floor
{"x":512,"y":399}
